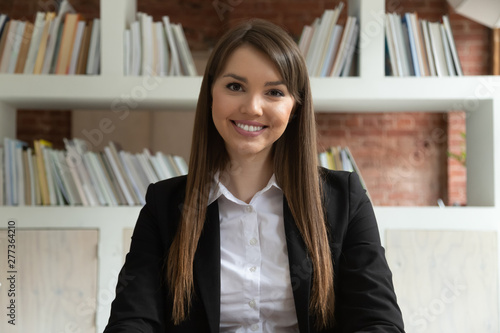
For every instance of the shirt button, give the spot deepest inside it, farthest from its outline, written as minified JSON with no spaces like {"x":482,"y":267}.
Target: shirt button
{"x":248,"y":209}
{"x":253,"y":269}
{"x":253,"y":241}
{"x":252,"y":304}
{"x":254,"y":327}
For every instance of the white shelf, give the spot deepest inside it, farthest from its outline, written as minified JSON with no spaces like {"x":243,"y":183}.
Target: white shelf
{"x":352,"y":94}
{"x":99,"y":92}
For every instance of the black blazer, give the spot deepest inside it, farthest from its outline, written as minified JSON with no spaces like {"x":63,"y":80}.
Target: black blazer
{"x":365,"y":298}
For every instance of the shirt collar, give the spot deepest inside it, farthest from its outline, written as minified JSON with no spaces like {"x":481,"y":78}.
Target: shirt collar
{"x":217,"y":189}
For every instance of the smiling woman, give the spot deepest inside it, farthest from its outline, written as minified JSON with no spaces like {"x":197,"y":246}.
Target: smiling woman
{"x":252,"y":237}
{"x":251,"y":107}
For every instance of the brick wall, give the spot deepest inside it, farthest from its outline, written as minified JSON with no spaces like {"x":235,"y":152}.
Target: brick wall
{"x":400,"y":158}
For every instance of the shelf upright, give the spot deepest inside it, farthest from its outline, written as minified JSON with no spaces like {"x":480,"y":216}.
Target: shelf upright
{"x":116,"y":16}
{"x":370,"y":15}
{"x":7,"y":121}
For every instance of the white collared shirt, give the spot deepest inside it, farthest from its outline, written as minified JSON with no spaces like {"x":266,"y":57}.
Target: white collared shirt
{"x":256,"y":291}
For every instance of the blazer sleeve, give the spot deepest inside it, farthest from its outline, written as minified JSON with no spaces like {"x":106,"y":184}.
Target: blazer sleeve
{"x":365,"y":297}
{"x":140,"y":294}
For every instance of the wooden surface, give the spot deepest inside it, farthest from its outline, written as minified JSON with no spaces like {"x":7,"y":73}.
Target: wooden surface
{"x":56,"y":281}
{"x":446,"y":281}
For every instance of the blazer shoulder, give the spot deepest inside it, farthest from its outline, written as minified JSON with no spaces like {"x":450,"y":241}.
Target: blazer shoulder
{"x":170,"y":186}
{"x":343,"y":183}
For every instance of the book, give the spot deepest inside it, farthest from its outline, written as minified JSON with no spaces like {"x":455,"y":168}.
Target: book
{"x":411,"y":34}
{"x":42,"y":174}
{"x":324,"y":30}
{"x":44,"y":39}
{"x":347,"y":69}
{"x":69,"y":31}
{"x":162,"y":50}
{"x":447,"y":51}
{"x":186,"y":59}
{"x":3,"y":20}
{"x":77,"y":43}
{"x":30,"y":176}
{"x":305,"y":39}
{"x":67,"y":182}
{"x":164,"y":162}
{"x":16,"y":47}
{"x":133,"y":176}
{"x":355,"y":168}
{"x":146,"y":24}
{"x":330,"y":30}
{"x":136,"y":47}
{"x":37,"y":195}
{"x":8,"y":166}
{"x":112,"y":152}
{"x":54,"y":38}
{"x":418,"y":47}
{"x":175,"y":67}
{"x":341,"y":56}
{"x":60,"y":190}
{"x":99,"y":181}
{"x":340,"y":158}
{"x":419,"y":41}
{"x":20,"y":173}
{"x":181,"y":165}
{"x":438,"y":49}
{"x":24,"y":48}
{"x":94,"y":55}
{"x":55,"y":196}
{"x":78,"y":149}
{"x":8,"y":44}
{"x":428,"y":47}
{"x":333,"y":45}
{"x":79,"y":176}
{"x":72,"y":160}
{"x":451,"y":43}
{"x":313,"y":45}
{"x":115,"y":186}
{"x":81,"y":66}
{"x":35,"y":42}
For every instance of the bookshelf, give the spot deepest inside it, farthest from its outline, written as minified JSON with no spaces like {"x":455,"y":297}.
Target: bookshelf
{"x":370,"y":91}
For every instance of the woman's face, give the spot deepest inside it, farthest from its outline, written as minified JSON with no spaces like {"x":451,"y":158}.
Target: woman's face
{"x":251,"y":104}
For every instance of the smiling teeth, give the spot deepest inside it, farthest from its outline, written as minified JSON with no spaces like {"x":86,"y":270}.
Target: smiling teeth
{"x":249,"y":128}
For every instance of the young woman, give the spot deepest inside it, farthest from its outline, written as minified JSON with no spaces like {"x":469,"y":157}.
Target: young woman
{"x":256,"y":238}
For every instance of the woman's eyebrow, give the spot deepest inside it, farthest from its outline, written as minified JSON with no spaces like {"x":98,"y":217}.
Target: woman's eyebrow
{"x":237,"y":77}
{"x":242,"y":79}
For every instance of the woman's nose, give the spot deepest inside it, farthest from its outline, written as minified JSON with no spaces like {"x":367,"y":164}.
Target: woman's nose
{"x":253,"y":105}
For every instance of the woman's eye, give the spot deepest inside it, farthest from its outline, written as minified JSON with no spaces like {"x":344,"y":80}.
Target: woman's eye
{"x":276,"y":93}
{"x":234,"y":86}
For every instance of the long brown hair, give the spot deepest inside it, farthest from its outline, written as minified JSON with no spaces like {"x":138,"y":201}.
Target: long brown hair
{"x":295,"y":167}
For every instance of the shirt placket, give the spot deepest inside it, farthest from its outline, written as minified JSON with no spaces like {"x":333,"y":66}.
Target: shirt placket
{"x":252,"y":266}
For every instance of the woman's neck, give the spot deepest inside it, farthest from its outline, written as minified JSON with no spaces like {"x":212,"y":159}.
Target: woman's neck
{"x":245,"y":177}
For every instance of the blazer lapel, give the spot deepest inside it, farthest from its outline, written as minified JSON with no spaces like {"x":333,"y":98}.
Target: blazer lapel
{"x":206,"y":267}
{"x":300,"y":268}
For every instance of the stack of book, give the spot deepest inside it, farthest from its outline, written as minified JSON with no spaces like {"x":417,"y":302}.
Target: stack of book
{"x":329,"y":47}
{"x":157,"y":48}
{"x":340,"y":158}
{"x":78,"y":176}
{"x":56,"y":43}
{"x":417,"y":47}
